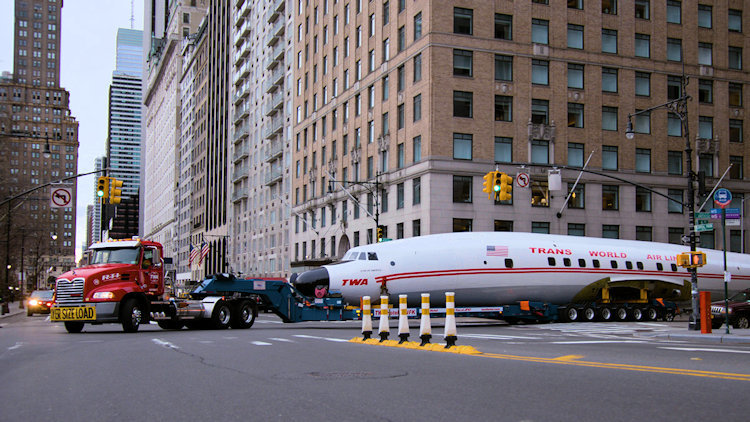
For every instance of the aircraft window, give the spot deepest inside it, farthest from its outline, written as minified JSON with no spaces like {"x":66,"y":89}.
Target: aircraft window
{"x":508,"y":263}
{"x":551,"y":261}
{"x":613,"y":264}
{"x":596,"y":263}
{"x":566,"y":261}
{"x":362,"y":256}
{"x":674,"y":267}
{"x":639,"y":265}
{"x":629,"y":265}
{"x":659,"y":266}
{"x":372,"y":256}
{"x":582,"y":263}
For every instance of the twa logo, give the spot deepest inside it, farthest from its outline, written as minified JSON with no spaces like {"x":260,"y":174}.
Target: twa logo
{"x":355,"y":282}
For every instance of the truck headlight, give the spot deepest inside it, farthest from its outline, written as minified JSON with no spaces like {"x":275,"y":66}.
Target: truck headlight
{"x":104,"y":295}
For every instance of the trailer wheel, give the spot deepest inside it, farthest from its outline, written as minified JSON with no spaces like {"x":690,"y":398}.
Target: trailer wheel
{"x":637,"y":314}
{"x":571,"y":314}
{"x":73,"y":327}
{"x":589,"y":314}
{"x":622,"y":313}
{"x":221,"y":315}
{"x":742,"y":322}
{"x":651,"y":313}
{"x":605,"y":314}
{"x":244,"y":314}
{"x":131,"y":315}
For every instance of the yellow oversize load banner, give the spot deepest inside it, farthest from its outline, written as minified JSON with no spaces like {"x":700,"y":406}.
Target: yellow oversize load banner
{"x":78,"y":313}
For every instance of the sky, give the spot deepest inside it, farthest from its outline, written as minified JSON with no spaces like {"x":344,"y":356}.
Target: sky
{"x":89,"y":36}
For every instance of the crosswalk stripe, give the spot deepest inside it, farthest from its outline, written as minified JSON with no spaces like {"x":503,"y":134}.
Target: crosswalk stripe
{"x":261,"y":343}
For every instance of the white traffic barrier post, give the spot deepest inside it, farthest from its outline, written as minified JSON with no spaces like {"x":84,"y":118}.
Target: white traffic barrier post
{"x":366,"y":318}
{"x":403,"y":320}
{"x":450,"y":320}
{"x":425,"y":330}
{"x":384,"y":330}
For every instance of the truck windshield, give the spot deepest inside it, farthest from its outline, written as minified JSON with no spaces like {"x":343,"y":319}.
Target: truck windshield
{"x":116,"y":256}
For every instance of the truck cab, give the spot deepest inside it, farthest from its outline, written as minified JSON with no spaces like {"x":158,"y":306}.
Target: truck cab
{"x":118,"y":284}
{"x":739,"y":311}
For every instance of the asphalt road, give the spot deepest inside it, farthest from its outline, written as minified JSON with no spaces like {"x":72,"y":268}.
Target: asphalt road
{"x":312,"y":372}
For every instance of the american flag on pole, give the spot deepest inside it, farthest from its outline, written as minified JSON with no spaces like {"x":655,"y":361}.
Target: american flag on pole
{"x":194,"y":251}
{"x":204,"y":251}
{"x":497,"y":250}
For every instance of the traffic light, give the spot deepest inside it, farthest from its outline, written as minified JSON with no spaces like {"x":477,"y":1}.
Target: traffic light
{"x":380,"y":234}
{"x":503,"y":186}
{"x":115,"y":194}
{"x":102,"y":188}
{"x":698,"y":258}
{"x":692,"y":259}
{"x":489,"y":179}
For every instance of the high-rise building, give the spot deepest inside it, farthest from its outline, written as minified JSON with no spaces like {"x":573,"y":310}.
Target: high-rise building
{"x":261,"y":129}
{"x":404,"y":106}
{"x":38,"y":145}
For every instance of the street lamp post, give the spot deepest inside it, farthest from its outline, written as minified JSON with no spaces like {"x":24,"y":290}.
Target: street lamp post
{"x":678,"y":106}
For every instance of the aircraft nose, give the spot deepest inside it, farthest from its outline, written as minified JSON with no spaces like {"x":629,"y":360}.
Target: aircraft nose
{"x":312,"y":283}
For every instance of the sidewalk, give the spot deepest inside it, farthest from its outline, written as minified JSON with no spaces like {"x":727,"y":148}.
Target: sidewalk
{"x":719,"y":335}
{"x":14,"y":310}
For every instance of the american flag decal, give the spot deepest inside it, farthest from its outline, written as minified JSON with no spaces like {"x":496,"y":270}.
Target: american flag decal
{"x":497,"y":251}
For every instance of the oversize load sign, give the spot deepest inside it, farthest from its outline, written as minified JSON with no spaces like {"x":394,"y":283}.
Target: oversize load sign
{"x":78,"y":313}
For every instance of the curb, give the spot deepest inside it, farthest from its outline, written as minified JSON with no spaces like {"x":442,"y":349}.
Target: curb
{"x":724,"y":339}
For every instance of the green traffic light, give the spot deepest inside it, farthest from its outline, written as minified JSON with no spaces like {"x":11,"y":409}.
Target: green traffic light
{"x":496,"y":188}
{"x":99,"y":193}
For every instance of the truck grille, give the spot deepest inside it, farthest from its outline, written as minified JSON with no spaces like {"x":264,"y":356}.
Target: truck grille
{"x":69,"y":292}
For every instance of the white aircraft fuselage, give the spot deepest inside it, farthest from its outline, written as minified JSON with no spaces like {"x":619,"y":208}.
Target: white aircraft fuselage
{"x":496,"y":268}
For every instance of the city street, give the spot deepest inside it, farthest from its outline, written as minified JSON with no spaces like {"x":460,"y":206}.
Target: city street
{"x":312,"y":371}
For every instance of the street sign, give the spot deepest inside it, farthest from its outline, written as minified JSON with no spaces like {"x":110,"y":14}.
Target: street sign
{"x":522,"y":180}
{"x":722,"y":197}
{"x":732,"y":222}
{"x":703,"y":215}
{"x":704,"y":227}
{"x":61,"y":197}
{"x":731,"y":213}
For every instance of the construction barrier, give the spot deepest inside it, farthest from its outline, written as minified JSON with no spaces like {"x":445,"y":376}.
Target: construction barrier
{"x":425,"y":329}
{"x":403,"y":320}
{"x":384,"y":329}
{"x":450,"y":320}
{"x":366,"y":318}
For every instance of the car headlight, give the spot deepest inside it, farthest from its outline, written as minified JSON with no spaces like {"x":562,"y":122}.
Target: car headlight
{"x":104,"y":295}
{"x":33,"y":302}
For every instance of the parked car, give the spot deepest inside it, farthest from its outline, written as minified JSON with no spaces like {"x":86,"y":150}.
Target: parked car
{"x":39,"y":302}
{"x":739,"y":311}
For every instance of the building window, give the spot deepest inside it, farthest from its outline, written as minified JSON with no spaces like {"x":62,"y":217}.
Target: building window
{"x":540,"y":31}
{"x":575,"y":154}
{"x":735,"y":130}
{"x":540,"y":72}
{"x":575,"y":229}
{"x":642,"y":45}
{"x":609,"y":7}
{"x":503,"y":27}
{"x":539,"y":151}
{"x":503,"y":225}
{"x":643,"y":233}
{"x":735,"y":58}
{"x":736,"y":172}
{"x":642,"y":9}
{"x":704,"y":16}
{"x":708,"y":240}
{"x":609,"y":41}
{"x":609,"y":118}
{"x":401,"y":156}
{"x":417,"y":148}
{"x":418,"y":26}
{"x":674,"y":49}
{"x":575,"y":4}
{"x":462,"y":20}
{"x":462,"y":145}
{"x":575,"y":115}
{"x":416,"y":191}
{"x":575,"y":36}
{"x":539,"y":111}
{"x":642,"y":200}
{"x":642,"y":84}
{"x":674,"y":12}
{"x":706,"y":127}
{"x":734,"y":24}
{"x":610,"y":197}
{"x":575,"y":76}
{"x":675,"y":203}
{"x":418,"y":68}
{"x":462,"y":225}
{"x":706,"y":164}
{"x":674,"y":162}
{"x":577,"y":196}
{"x":610,"y":231}
{"x":401,"y":76}
{"x":503,"y":149}
{"x":399,"y":196}
{"x":674,"y":87}
{"x":539,"y":193}
{"x":706,"y":91}
{"x":462,"y":189}
{"x":735,"y":95}
{"x":503,"y":108}
{"x":609,"y":79}
{"x":417,"y":107}
{"x":540,"y":227}
{"x":705,"y":53}
{"x":462,"y":104}
{"x":609,"y":157}
{"x":462,"y":62}
{"x":416,"y":228}
{"x":674,"y":124}
{"x":503,"y":67}
{"x":401,"y":39}
{"x":643,"y":123}
{"x":401,"y":116}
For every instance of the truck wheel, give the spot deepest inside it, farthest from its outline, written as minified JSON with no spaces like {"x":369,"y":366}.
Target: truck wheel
{"x":244,"y":314}
{"x":622,"y":314}
{"x":651,"y":313}
{"x":589,"y":314}
{"x":742,"y":322}
{"x":669,"y":316}
{"x":571,"y":314}
{"x":131,"y":315}
{"x":221,"y":315}
{"x":637,"y":314}
{"x":29,"y":313}
{"x":73,"y":326}
{"x":605,"y":314}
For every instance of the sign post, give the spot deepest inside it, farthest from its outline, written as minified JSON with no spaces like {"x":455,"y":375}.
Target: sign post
{"x":722,"y":198}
